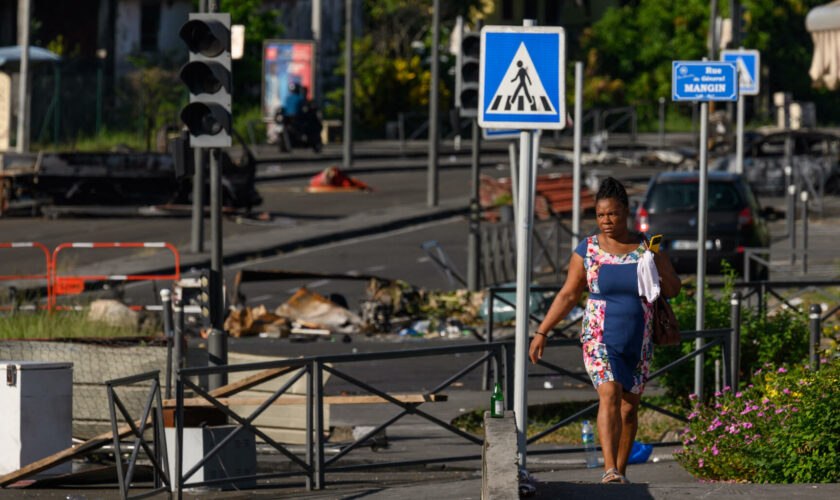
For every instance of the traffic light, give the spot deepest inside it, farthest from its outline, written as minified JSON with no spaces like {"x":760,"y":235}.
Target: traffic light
{"x":209,"y":79}
{"x":466,"y":76}
{"x":204,"y":294}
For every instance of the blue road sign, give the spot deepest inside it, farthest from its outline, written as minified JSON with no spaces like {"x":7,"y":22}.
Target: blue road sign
{"x":704,"y":81}
{"x":522,"y":77}
{"x":748,"y":63}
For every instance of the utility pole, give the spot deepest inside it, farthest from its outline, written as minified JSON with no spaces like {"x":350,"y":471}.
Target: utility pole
{"x":347,"y":147}
{"x":316,"y":37}
{"x":434,"y":133}
{"x":22,"y":140}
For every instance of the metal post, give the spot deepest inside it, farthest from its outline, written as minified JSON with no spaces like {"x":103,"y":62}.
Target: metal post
{"x":99,"y":98}
{"x":217,"y":339}
{"x":790,"y":184}
{"x":694,"y":133}
{"x":166,"y":311}
{"x":178,"y":334}
{"x":578,"y":138}
{"x":524,"y":216}
{"x":318,"y":410}
{"x":197,"y":230}
{"x":347,"y":147}
{"x":310,"y":393}
{"x":735,"y":351}
{"x":661,"y":122}
{"x":713,"y":39}
{"x":316,"y":37}
{"x":22,"y":139}
{"x":717,"y":375}
{"x":473,"y":254}
{"x":434,"y":90}
{"x":514,"y":178}
{"x":803,"y":197}
{"x":814,"y":345}
{"x":57,"y":109}
{"x":739,"y":130}
{"x":701,"y":245}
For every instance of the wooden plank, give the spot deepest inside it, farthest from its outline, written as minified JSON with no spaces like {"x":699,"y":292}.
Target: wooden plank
{"x":67,"y":454}
{"x":250,"y":381}
{"x":298,"y":400}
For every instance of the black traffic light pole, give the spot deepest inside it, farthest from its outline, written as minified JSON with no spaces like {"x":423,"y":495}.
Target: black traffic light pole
{"x":208,"y":77}
{"x":217,"y":338}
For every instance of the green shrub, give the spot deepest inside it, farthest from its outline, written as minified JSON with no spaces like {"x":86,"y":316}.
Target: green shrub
{"x":779,"y":338}
{"x":782,"y":429}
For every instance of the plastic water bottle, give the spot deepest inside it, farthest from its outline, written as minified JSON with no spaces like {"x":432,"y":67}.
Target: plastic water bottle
{"x":588,"y":436}
{"x":497,"y":402}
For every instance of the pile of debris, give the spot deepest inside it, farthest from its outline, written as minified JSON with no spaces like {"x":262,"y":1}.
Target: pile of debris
{"x":390,"y":306}
{"x":305,"y":313}
{"x":553,"y":196}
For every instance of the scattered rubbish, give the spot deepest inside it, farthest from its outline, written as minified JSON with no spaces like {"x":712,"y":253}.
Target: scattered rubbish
{"x":247,"y":321}
{"x":314,"y":311}
{"x":639,"y":453}
{"x":332,"y":179}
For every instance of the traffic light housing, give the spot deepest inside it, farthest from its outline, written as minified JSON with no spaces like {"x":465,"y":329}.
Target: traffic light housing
{"x":209,"y":78}
{"x":466,"y":76}
{"x":204,"y":295}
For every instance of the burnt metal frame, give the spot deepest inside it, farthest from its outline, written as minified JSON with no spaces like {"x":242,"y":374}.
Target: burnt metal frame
{"x":158,"y":456}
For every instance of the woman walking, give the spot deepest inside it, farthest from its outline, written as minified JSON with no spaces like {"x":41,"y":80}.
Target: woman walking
{"x":617,"y":323}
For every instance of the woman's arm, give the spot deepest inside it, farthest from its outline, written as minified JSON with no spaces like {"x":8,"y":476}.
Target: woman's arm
{"x":563,"y":303}
{"x":669,"y":281}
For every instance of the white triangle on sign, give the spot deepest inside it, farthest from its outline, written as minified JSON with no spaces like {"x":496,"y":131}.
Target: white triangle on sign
{"x":521,"y":91}
{"x":744,"y":78}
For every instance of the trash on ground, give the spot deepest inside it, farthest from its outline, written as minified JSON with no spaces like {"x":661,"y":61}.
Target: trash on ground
{"x":314,"y":311}
{"x":332,"y":179}
{"x":256,"y":321}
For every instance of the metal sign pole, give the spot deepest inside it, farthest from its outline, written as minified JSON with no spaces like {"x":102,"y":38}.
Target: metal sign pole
{"x":524,"y":217}
{"x":347,"y":146}
{"x":578,"y":133}
{"x":434,"y":133}
{"x":739,"y":137}
{"x":703,"y":182}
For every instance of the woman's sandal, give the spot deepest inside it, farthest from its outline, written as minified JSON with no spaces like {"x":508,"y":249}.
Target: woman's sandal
{"x":612,"y":476}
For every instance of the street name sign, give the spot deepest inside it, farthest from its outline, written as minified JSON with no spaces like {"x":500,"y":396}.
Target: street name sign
{"x":704,"y":81}
{"x":748,"y":63}
{"x":522,"y":77}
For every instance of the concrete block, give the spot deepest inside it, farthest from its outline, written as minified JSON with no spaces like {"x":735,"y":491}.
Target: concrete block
{"x":499,"y":460}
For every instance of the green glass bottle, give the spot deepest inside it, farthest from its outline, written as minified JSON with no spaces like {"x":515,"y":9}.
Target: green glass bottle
{"x":497,"y":402}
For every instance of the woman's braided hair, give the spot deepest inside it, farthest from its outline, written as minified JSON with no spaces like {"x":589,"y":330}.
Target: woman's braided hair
{"x":612,"y":188}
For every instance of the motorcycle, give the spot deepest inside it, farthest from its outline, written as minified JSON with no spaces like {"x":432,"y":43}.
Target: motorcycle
{"x":300,"y":130}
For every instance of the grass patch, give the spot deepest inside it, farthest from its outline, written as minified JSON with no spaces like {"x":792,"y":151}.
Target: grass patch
{"x":63,"y":324}
{"x":652,"y":424}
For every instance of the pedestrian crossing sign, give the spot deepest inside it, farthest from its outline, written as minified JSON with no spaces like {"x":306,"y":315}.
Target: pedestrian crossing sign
{"x":522,"y":77}
{"x":748,"y":63}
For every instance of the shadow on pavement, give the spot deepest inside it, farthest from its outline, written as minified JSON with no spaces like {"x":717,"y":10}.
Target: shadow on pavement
{"x":589,"y":491}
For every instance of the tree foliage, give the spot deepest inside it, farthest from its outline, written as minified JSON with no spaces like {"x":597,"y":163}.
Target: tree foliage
{"x":629,"y":51}
{"x":260,"y":24}
{"x":391,"y":60}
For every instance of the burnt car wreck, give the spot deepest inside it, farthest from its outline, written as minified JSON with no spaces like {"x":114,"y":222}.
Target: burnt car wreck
{"x":29,"y":183}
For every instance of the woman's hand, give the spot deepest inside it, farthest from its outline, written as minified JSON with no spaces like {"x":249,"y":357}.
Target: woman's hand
{"x":535,"y":352}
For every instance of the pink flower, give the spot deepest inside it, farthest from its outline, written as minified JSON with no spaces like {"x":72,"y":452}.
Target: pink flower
{"x":760,"y":414}
{"x":738,"y":394}
{"x":765,"y":401}
{"x":700,"y":463}
{"x":726,"y":388}
{"x":794,"y":409}
{"x":767,"y":364}
{"x":747,"y":425}
{"x":718,"y":406}
{"x":692,"y":397}
{"x":750,"y":386}
{"x":782,"y":369}
{"x":823,"y":361}
{"x":715,"y":451}
{"x":757,"y":371}
{"x":786,"y":390}
{"x":780,"y":410}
